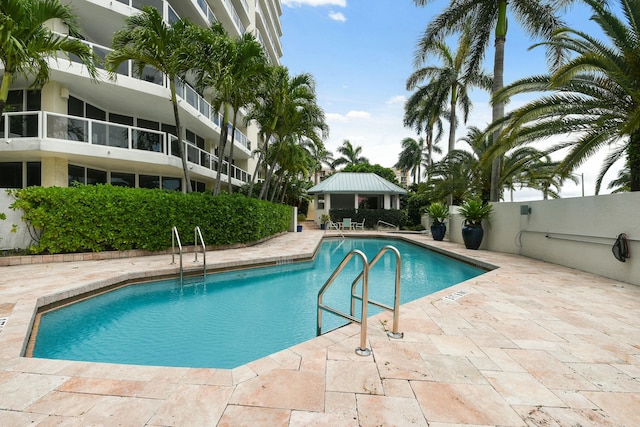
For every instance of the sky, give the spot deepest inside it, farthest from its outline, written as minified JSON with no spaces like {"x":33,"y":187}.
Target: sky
{"x":360,"y":53}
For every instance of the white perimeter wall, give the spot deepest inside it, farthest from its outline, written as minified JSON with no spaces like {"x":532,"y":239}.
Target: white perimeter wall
{"x":577,"y":232}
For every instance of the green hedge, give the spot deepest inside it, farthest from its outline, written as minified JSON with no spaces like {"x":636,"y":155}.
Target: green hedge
{"x":372,"y":216}
{"x":96,"y":218}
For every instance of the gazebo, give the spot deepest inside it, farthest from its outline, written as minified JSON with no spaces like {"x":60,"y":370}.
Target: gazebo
{"x":351,"y":190}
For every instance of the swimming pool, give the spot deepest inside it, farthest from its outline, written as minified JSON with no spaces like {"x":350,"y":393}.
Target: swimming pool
{"x":238,"y":316}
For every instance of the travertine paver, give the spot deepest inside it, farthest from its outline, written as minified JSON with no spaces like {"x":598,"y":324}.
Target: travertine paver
{"x":527,"y":344}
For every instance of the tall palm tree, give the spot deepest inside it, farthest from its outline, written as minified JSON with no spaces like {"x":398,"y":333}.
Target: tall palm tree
{"x":26,"y":43}
{"x":414,"y":155}
{"x":537,"y":18}
{"x":422,"y":115}
{"x":351,"y":155}
{"x":279,"y":94}
{"x":449,"y":83}
{"x":232,"y":67}
{"x":319,"y":155}
{"x":148,"y":40}
{"x":297,"y":123}
{"x":594,"y":96}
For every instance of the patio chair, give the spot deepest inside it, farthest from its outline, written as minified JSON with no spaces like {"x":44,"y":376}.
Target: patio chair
{"x":359,"y":225}
{"x":333,"y":225}
{"x":346,"y":223}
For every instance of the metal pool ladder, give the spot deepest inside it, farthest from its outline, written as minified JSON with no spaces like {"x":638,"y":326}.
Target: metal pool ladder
{"x":364,"y":298}
{"x":199,"y":242}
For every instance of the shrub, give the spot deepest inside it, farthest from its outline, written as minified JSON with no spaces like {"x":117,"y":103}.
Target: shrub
{"x":104,"y":217}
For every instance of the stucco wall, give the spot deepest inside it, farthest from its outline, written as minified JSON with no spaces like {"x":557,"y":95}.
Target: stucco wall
{"x":19,"y":239}
{"x":577,"y":232}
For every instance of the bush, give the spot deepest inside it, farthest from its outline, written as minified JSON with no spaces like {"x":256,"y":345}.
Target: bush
{"x":372,"y":216}
{"x":104,"y":217}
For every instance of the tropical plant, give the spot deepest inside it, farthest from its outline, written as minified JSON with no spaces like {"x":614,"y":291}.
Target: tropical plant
{"x":449,"y":83}
{"x":438,"y":212}
{"x":594,"y":96}
{"x":351,"y":155}
{"x":287,"y":108}
{"x":149,"y":41}
{"x":26,"y":42}
{"x":414,"y":155}
{"x":231,"y":67}
{"x":483,"y":16}
{"x":474,"y":211}
{"x":319,"y":155}
{"x":381,"y":171}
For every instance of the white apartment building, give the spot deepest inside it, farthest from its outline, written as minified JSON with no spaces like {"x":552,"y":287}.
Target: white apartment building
{"x":122,"y":132}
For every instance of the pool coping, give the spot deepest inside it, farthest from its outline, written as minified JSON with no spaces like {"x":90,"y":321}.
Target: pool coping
{"x":13,"y":336}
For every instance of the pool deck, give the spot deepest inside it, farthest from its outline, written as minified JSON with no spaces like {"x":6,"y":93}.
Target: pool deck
{"x":527,"y":344}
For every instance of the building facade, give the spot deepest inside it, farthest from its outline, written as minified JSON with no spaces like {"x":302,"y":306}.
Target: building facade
{"x":122,"y":132}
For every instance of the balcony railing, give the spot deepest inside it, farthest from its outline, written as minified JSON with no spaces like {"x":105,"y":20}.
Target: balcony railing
{"x":183,"y":90}
{"x":42,"y":124}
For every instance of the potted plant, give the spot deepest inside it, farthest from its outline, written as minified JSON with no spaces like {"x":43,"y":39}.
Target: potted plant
{"x":438,"y":212}
{"x":301,"y":218}
{"x":474,"y":211}
{"x":324,"y":219}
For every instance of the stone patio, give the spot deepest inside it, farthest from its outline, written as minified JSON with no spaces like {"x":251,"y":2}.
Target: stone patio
{"x":527,"y":344}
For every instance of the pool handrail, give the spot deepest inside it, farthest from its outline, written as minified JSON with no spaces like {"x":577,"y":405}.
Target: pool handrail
{"x":362,"y":350}
{"x":394,"y":333}
{"x":176,"y":237}
{"x":387,"y":224}
{"x":197,"y":237}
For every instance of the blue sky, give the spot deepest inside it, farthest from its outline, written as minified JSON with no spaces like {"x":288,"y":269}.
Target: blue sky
{"x":361,"y":53}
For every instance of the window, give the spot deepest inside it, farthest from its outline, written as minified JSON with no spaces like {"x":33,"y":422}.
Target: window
{"x":76,"y":175}
{"x":11,"y":175}
{"x":120,"y":119}
{"x":123,"y":179}
{"x":34,"y":174}
{"x":149,"y":181}
{"x":198,"y":186}
{"x":96,"y":113}
{"x":75,"y":107}
{"x":172,"y":184}
{"x":95,"y":176}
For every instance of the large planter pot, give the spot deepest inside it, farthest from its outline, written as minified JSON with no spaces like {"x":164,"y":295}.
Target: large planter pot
{"x":438,"y":231}
{"x":472,"y":236}
{"x":299,"y":228}
{"x":323,"y":226}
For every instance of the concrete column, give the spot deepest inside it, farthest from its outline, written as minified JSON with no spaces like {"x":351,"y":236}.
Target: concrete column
{"x":55,"y":172}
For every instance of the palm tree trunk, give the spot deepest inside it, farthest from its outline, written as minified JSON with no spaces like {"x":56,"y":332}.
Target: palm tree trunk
{"x":233,"y":137}
{"x":498,"y":107}
{"x":183,"y":156}
{"x":267,"y":178}
{"x":261,"y":156}
{"x":222,"y":146}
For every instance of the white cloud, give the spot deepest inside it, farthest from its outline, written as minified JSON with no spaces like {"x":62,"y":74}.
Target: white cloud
{"x":337,"y":16}
{"x":351,"y":115}
{"x":314,"y":3}
{"x":399,"y":99}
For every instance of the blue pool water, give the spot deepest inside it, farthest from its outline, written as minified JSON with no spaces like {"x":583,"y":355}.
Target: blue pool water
{"x":235,"y":317}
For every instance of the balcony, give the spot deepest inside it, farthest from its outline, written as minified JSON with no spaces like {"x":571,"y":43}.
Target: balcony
{"x":42,"y":124}
{"x":183,"y":90}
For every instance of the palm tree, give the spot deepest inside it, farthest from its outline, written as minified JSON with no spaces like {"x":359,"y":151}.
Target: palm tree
{"x":320,"y":156}
{"x":232,"y":68}
{"x":351,"y":155}
{"x":149,"y":41}
{"x":594,"y":96}
{"x":279,"y":93}
{"x":26,"y":43}
{"x":483,"y":16}
{"x":298,"y":122}
{"x":421,"y":114}
{"x":451,"y":81}
{"x":414,"y":155}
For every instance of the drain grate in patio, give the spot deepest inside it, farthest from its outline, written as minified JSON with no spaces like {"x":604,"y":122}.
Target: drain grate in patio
{"x":456,"y":295}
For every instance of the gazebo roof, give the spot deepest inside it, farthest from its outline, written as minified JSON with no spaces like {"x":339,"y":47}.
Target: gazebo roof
{"x":352,"y":182}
